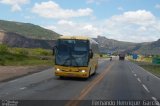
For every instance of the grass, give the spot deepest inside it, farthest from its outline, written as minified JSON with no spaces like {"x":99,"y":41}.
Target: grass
{"x":146,"y":63}
{"x":141,"y":59}
{"x":104,"y":56}
{"x":154,"y":69}
{"x":25,"y":57}
{"x":148,"y":66}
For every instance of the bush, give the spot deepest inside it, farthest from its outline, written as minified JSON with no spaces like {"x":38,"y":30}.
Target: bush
{"x":23,"y":52}
{"x":2,"y":61}
{"x":3,"y":48}
{"x":43,"y":52}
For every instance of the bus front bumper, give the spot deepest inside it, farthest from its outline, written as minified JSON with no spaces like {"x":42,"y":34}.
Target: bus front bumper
{"x":72,"y":74}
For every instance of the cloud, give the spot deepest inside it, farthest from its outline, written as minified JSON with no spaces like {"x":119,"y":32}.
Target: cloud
{"x":157,"y":6}
{"x":15,"y":4}
{"x":120,"y":8}
{"x":51,"y":9}
{"x":96,"y":1}
{"x":132,"y":26}
{"x":67,"y":27}
{"x":65,"y":22}
{"x":139,"y":17}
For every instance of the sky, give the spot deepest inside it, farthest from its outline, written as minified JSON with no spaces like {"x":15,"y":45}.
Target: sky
{"x":124,"y":20}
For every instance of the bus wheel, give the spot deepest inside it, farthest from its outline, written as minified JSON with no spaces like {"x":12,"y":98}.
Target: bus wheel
{"x":95,"y":70}
{"x":89,"y":73}
{"x":61,"y":77}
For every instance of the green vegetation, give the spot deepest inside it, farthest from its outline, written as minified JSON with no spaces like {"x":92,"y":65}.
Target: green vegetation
{"x":104,"y":56}
{"x":25,"y":56}
{"x":144,"y":59}
{"x":147,"y":59}
{"x":155,"y":69}
{"x":28,"y":30}
{"x":146,"y":63}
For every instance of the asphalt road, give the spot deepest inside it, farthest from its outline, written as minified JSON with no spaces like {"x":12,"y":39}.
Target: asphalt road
{"x":115,"y":80}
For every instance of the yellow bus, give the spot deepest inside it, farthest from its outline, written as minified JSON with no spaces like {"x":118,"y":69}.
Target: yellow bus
{"x":75,"y":56}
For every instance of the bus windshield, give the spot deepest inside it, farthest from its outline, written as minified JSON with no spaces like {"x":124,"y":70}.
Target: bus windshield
{"x":72,"y":52}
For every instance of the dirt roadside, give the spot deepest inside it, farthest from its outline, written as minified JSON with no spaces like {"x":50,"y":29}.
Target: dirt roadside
{"x":12,"y":72}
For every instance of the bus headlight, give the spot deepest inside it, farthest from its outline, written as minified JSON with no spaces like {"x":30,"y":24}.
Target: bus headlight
{"x":58,"y":69}
{"x":83,"y":71}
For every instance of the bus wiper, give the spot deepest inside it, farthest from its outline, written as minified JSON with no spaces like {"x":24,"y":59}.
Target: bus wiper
{"x":73,"y":58}
{"x":64,"y":64}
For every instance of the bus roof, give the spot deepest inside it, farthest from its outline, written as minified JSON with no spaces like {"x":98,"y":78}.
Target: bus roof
{"x":79,"y":38}
{"x":75,"y":37}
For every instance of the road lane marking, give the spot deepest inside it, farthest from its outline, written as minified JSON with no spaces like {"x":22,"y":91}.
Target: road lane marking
{"x":156,"y":102}
{"x":22,"y":88}
{"x":88,"y":88}
{"x":131,"y":68}
{"x":139,"y":80}
{"x":154,"y":98}
{"x":12,"y":81}
{"x":135,"y":75}
{"x":146,"y":71}
{"x":145,"y":88}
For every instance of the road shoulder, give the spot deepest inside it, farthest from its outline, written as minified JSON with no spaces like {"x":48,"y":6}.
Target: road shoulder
{"x":8,"y":73}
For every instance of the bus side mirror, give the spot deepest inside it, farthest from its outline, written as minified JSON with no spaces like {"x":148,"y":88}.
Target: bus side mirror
{"x":91,"y":54}
{"x":53,"y":50}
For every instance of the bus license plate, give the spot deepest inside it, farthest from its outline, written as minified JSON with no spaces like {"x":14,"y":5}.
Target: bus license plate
{"x":71,"y":75}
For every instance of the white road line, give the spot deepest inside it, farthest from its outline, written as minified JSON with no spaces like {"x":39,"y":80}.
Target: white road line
{"x":149,"y":73}
{"x":135,"y":75}
{"x":156,"y":102}
{"x":22,"y":88}
{"x":139,"y":80}
{"x":13,"y":81}
{"x":145,"y":88}
{"x":131,"y":69}
{"x":154,"y":98}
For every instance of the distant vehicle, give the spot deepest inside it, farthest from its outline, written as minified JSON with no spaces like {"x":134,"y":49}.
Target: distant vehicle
{"x":122,"y":56}
{"x":75,"y":56}
{"x":110,"y":58}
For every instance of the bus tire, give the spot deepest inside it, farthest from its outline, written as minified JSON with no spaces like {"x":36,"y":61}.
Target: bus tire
{"x":89,"y":73}
{"x":95,"y":70}
{"x":61,"y":77}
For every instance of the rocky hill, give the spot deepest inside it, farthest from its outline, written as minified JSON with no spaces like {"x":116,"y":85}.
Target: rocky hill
{"x":16,"y":40}
{"x":16,"y":34}
{"x":113,"y":46}
{"x":150,"y":48}
{"x":109,"y":45}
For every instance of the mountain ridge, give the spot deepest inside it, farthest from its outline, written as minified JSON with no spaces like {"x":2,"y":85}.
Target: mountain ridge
{"x":17,"y":34}
{"x":28,"y":30}
{"x":114,"y":46}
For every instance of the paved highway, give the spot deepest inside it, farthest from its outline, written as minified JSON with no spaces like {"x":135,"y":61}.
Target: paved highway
{"x":115,"y":80}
